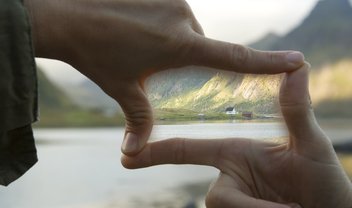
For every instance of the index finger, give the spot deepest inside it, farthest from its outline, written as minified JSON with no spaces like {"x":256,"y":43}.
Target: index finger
{"x":233,"y":57}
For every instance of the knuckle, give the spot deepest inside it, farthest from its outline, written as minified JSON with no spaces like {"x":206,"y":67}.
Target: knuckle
{"x":188,"y":50}
{"x":183,"y":49}
{"x":239,"y":55}
{"x":274,"y":58}
{"x":182,"y":8}
{"x":196,"y":26}
{"x":138,"y":117}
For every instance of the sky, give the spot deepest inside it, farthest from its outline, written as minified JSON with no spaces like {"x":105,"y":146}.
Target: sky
{"x":237,"y":21}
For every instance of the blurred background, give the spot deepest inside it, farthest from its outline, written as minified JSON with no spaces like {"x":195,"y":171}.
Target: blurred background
{"x":81,"y":128}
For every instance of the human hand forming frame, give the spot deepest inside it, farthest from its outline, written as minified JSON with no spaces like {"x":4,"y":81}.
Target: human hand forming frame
{"x":304,"y":172}
{"x":118,"y":43}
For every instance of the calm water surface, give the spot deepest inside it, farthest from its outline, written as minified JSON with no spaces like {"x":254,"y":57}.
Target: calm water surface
{"x":81,"y":167}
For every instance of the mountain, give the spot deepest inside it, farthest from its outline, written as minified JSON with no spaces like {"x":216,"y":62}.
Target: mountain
{"x":324,"y":36}
{"x":267,"y":42}
{"x":171,"y":84}
{"x":255,"y":93}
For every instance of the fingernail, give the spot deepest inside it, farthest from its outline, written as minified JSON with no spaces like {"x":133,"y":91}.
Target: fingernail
{"x":130,"y":143}
{"x":295,"y":58}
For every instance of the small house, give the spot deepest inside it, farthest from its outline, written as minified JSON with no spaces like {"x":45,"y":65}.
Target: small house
{"x":231,"y":111}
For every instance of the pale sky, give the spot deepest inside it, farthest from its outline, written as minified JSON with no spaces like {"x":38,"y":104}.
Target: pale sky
{"x":237,"y":21}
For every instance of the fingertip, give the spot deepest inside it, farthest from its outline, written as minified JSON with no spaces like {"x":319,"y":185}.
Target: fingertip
{"x":299,"y":77}
{"x":302,"y":70}
{"x":132,"y":144}
{"x":295,"y":59}
{"x":140,"y":160}
{"x":127,"y":162}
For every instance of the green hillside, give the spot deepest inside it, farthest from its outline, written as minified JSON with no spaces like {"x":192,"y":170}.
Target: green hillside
{"x":175,"y":83}
{"x":50,"y":96}
{"x":248,"y":93}
{"x":57,"y":109}
{"x":331,"y":90}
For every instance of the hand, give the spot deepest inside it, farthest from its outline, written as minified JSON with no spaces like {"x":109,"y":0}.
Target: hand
{"x":303,"y":172}
{"x":118,"y":43}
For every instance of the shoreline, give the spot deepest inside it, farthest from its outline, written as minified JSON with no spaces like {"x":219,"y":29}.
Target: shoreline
{"x":336,"y":123}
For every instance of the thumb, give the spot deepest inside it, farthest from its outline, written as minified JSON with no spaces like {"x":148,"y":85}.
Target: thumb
{"x":138,"y":116}
{"x":297,"y":110}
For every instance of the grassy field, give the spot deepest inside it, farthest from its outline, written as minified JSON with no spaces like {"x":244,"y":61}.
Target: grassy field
{"x":78,"y":118}
{"x":84,"y":118}
{"x":168,"y":114}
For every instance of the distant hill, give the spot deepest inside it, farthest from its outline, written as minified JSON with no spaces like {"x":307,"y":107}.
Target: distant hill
{"x":267,"y":42}
{"x":58,"y":110}
{"x":325,"y":36}
{"x":51,"y":97}
{"x":88,"y":95}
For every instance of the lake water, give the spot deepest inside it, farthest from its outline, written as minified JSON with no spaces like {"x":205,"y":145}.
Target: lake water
{"x":80,"y":168}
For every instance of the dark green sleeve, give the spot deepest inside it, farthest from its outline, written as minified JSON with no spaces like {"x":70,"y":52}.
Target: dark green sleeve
{"x":18,"y":92}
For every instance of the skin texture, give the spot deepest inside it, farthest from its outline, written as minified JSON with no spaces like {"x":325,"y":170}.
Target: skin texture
{"x":302,"y":172}
{"x":118,"y":43}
